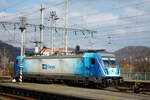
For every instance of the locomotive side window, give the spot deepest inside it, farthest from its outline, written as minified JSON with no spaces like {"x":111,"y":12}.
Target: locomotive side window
{"x":92,"y":61}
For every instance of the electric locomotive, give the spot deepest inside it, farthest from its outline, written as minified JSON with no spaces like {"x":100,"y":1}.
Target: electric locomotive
{"x":96,"y":68}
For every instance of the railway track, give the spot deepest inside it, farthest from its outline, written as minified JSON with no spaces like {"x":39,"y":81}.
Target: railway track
{"x":6,"y":96}
{"x":136,"y":86}
{"x":5,"y":79}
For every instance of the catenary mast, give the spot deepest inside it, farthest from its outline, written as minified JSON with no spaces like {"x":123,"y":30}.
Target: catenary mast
{"x":66,"y":26}
{"x":42,"y":25}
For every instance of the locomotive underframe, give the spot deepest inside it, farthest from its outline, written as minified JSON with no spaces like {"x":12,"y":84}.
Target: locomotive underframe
{"x":97,"y":82}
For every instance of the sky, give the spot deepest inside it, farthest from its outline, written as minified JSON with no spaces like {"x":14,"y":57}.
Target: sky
{"x":118,"y":23}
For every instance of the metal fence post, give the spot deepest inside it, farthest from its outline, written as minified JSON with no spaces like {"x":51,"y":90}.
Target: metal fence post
{"x":145,"y":75}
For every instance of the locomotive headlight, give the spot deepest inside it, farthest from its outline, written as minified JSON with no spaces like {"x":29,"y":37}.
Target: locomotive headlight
{"x":118,"y":71}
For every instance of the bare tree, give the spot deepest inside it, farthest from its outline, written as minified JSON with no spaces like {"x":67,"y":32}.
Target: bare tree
{"x":4,"y":60}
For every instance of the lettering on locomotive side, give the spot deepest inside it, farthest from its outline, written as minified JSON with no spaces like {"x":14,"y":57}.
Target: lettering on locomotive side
{"x":46,"y":66}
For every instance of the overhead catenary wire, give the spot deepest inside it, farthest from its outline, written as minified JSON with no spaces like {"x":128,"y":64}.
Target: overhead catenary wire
{"x":26,"y":14}
{"x":60,"y":27}
{"x":115,"y":19}
{"x":14,"y":5}
{"x":131,"y":26}
{"x":128,"y":5}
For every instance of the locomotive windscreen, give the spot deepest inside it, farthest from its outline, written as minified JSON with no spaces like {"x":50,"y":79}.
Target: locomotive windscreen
{"x":110,"y":62}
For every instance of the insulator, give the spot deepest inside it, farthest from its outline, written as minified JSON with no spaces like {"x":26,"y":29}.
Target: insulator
{"x":83,"y":33}
{"x":4,"y":27}
{"x":56,"y":30}
{"x":109,"y":42}
{"x":35,"y":29}
{"x":75,"y":33}
{"x":92,"y":35}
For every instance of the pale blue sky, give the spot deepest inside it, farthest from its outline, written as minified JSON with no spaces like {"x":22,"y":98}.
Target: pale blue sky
{"x":118,"y":23}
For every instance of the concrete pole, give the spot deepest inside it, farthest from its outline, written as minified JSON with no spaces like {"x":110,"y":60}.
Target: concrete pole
{"x":52,"y":35}
{"x":22,"y":28}
{"x":66,"y":26}
{"x":63,"y":38}
{"x":42,"y":26}
{"x":54,"y":18}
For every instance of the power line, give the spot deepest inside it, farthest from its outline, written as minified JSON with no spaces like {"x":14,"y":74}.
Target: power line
{"x":116,"y":39}
{"x":47,"y":27}
{"x":128,"y":17}
{"x":98,"y":36}
{"x":143,"y":2}
{"x":57,"y":4}
{"x":14,"y":5}
{"x":103,"y":31}
{"x":117,"y":33}
{"x":31,"y":13}
{"x":130,"y":32}
{"x":17,"y":15}
{"x":132,"y":26}
{"x":127,"y":38}
{"x":122,"y":25}
{"x":115,"y":19}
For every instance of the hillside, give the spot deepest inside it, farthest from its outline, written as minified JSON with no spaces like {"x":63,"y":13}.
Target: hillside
{"x":12,"y":51}
{"x":133,"y":51}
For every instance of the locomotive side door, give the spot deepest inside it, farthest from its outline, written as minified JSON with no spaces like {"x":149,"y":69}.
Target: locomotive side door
{"x":86,"y":66}
{"x":92,"y":67}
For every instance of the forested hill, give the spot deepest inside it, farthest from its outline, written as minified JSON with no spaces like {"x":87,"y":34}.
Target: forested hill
{"x":133,"y":51}
{"x":8,"y":50}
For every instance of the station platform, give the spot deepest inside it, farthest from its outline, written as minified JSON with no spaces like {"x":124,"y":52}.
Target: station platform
{"x":76,"y":92}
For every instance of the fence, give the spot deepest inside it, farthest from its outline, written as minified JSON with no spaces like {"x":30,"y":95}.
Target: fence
{"x":136,"y":75}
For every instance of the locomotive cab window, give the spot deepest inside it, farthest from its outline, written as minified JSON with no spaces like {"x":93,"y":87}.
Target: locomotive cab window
{"x":110,"y":62}
{"x":92,"y":61}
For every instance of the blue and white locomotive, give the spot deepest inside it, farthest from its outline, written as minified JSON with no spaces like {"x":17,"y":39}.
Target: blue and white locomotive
{"x":99,"y":69}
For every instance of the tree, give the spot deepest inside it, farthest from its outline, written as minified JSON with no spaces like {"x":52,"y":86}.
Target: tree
{"x":4,"y":60}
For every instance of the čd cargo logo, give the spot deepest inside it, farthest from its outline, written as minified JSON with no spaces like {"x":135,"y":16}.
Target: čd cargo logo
{"x":46,"y":66}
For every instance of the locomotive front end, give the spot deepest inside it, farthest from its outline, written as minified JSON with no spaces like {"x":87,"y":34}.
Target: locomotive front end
{"x":111,"y":69}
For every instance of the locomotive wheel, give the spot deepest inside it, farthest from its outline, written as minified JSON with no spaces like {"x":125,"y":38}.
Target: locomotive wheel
{"x":104,"y":84}
{"x":99,"y":86}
